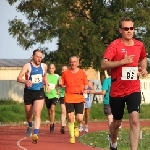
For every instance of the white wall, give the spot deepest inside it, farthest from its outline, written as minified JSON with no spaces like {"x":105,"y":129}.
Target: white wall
{"x":9,"y":73}
{"x":11,"y":89}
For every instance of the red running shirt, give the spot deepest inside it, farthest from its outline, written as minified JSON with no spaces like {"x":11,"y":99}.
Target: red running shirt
{"x":115,"y":52}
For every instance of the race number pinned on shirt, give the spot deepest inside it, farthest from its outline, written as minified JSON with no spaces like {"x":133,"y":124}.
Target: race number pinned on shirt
{"x":36,"y":78}
{"x":51,"y":86}
{"x":129,"y":73}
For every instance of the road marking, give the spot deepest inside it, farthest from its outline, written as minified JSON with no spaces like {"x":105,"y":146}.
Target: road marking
{"x":18,"y":143}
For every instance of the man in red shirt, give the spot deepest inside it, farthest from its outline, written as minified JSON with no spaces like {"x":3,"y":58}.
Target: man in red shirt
{"x":76,"y":84}
{"x":126,"y":57}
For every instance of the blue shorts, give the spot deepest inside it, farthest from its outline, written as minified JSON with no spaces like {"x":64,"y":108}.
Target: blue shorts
{"x":88,"y":104}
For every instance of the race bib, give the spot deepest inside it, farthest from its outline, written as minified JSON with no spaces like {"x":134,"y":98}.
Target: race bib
{"x":129,"y":73}
{"x":51,"y":86}
{"x":85,"y":95}
{"x":36,"y":78}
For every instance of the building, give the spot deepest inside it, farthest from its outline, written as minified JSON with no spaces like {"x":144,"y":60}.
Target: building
{"x":9,"y":87}
{"x":10,"y":68}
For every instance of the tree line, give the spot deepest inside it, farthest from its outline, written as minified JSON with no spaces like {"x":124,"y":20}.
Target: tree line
{"x":83,"y":27}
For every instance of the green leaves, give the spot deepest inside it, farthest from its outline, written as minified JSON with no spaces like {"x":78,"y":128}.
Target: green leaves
{"x":83,"y":27}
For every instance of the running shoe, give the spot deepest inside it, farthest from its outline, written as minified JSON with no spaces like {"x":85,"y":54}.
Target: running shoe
{"x":72,"y":140}
{"x":29,"y":132}
{"x":80,"y":128}
{"x":108,"y":137}
{"x":76,"y":132}
{"x":62,"y":130}
{"x":112,"y":148}
{"x":52,"y":127}
{"x":34,"y":138}
{"x":86,"y":129}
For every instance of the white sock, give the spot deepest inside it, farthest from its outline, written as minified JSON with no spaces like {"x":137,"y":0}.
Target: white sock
{"x":114,"y":145}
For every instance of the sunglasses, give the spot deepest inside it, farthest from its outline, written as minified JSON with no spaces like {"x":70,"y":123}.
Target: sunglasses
{"x":127,"y":28}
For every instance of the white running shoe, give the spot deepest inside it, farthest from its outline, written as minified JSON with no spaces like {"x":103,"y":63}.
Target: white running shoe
{"x":108,"y":137}
{"x":80,"y":128}
{"x":86,"y":129}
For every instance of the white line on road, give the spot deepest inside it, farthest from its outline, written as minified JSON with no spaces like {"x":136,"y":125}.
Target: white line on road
{"x":18,"y":143}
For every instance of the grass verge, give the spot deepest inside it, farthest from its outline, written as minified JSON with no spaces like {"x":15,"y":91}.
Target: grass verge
{"x":99,"y":139}
{"x":12,"y":112}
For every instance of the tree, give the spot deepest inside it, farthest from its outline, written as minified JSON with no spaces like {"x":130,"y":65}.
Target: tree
{"x":83,"y":27}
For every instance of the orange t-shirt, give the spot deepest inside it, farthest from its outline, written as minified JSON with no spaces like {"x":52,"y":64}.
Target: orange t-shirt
{"x":74,"y":83}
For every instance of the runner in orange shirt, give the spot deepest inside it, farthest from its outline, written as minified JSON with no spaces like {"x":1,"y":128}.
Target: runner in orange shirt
{"x":76,"y":84}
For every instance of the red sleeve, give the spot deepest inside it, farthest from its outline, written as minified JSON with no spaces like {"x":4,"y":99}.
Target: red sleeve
{"x":143,"y":52}
{"x":110,"y":52}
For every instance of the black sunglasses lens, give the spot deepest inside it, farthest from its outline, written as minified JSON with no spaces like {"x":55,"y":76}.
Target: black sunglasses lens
{"x":131,"y":28}
{"x":127,"y":28}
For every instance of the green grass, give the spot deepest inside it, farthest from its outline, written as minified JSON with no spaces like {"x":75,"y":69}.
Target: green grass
{"x":98,"y":139}
{"x":12,"y":111}
{"x":98,"y":114}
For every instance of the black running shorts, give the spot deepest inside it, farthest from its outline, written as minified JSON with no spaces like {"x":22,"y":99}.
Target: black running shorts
{"x":32,"y":95}
{"x":61,"y":100}
{"x":77,"y":107}
{"x":50,"y":102}
{"x":117,"y":104}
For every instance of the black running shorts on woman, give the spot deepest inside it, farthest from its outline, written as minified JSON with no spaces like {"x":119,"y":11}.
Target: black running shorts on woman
{"x":50,"y":102}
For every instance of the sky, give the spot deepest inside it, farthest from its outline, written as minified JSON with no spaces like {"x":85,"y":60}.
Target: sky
{"x":9,"y":49}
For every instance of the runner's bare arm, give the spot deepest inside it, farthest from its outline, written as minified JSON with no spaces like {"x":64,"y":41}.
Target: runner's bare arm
{"x":45,"y":78}
{"x":143,"y":63}
{"x":24,"y":70}
{"x":91,"y":87}
{"x":103,"y":92}
{"x":57,"y":89}
{"x":60,"y":81}
{"x":57,"y":86}
{"x":143,"y":66}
